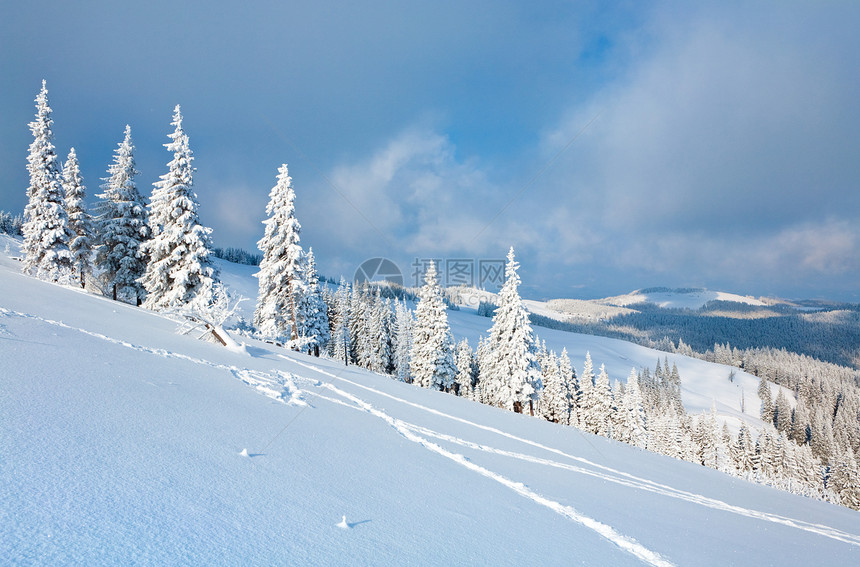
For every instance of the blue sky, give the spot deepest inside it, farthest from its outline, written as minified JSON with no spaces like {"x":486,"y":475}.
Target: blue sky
{"x":615,"y":147}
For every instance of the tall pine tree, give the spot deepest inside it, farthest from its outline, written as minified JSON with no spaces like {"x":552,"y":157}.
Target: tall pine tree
{"x":312,"y":310}
{"x":432,"y":357}
{"x":122,"y":227}
{"x":80,"y":223}
{"x":46,"y":229}
{"x":511,"y":373}
{"x":281,"y":275}
{"x":180,"y":273}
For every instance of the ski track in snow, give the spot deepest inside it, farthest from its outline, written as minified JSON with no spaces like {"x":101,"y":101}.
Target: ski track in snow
{"x":609,"y":474}
{"x":407,"y":431}
{"x":276,"y":384}
{"x":281,"y":386}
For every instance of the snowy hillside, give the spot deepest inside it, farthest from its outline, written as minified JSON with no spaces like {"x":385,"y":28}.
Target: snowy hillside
{"x":704,"y":384}
{"x":679,"y":298}
{"x":121,"y":442}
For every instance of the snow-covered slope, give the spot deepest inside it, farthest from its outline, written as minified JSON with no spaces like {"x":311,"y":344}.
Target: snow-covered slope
{"x":679,"y":298}
{"x":121,"y":442}
{"x":703,"y":384}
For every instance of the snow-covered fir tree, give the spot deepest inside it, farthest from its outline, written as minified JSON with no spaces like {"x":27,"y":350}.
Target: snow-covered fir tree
{"x":282,"y":271}
{"x":586,"y":394}
{"x":379,"y":333}
{"x":554,"y":402}
{"x":570,"y":388}
{"x":80,"y":223}
{"x":339,"y":346}
{"x":602,"y":411}
{"x":46,"y":224}
{"x":359,"y":338}
{"x":466,"y":370}
{"x":510,"y":371}
{"x":766,"y":400}
{"x":432,"y":361}
{"x":312,"y":310}
{"x":180,"y":272}
{"x":122,"y":227}
{"x":402,"y":341}
{"x":632,"y":428}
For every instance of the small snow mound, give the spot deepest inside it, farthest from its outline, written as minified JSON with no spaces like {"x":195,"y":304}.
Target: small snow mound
{"x":343,"y":524}
{"x":244,"y":453}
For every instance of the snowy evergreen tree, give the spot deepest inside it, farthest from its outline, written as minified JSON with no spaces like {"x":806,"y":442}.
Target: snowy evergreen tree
{"x":312,"y":309}
{"x":465,"y":370}
{"x":744,"y":452}
{"x":782,"y":413}
{"x":634,"y":425}
{"x":46,"y":224}
{"x":180,"y":273}
{"x":339,"y":346}
{"x":432,"y":361}
{"x":402,"y":341}
{"x":586,"y":396}
{"x":122,"y":227}
{"x":766,"y":401}
{"x":510,"y":371}
{"x":359,"y":338}
{"x":80,"y":223}
{"x":570,"y":388}
{"x":378,"y":332}
{"x":554,"y":403}
{"x":600,"y":418}
{"x":282,"y":272}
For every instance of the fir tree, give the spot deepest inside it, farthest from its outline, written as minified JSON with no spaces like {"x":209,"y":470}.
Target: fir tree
{"x":402,"y":341}
{"x":782,"y":413}
{"x":586,"y":397}
{"x":339,"y":345}
{"x":432,"y":362}
{"x":359,"y":315}
{"x":180,"y":273}
{"x":312,"y":309}
{"x":554,"y":403}
{"x":570,"y":388}
{"x":46,"y":229}
{"x":465,"y":370}
{"x":80,"y":223}
{"x":281,"y":276}
{"x":511,"y":372}
{"x":635,"y":432}
{"x":122,"y":227}
{"x":601,"y":412}
{"x":766,"y":401}
{"x":378,"y":332}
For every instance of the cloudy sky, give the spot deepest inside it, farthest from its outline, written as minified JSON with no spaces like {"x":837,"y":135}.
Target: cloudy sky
{"x":638,"y":145}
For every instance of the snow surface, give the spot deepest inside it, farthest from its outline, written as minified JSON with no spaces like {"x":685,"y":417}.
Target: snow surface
{"x":120,"y":443}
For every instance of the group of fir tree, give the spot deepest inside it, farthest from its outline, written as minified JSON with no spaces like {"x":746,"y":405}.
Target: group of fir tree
{"x":157,"y":256}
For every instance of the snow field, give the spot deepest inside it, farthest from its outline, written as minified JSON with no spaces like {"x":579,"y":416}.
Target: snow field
{"x":120,"y":442}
